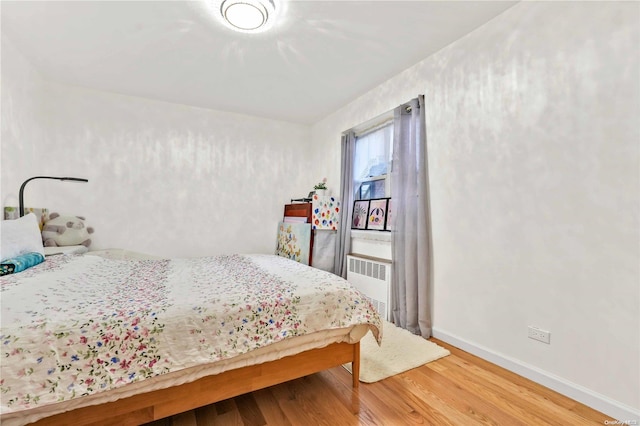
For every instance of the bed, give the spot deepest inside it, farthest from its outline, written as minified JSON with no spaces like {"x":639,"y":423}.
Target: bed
{"x":96,"y":340}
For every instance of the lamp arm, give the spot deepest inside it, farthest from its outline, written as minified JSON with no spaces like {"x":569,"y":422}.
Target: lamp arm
{"x":21,"y":194}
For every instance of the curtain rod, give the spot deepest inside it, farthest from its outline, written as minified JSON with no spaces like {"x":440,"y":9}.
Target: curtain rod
{"x":371,"y":129}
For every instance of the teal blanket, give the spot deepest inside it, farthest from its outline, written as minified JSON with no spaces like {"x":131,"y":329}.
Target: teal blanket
{"x":20,"y":263}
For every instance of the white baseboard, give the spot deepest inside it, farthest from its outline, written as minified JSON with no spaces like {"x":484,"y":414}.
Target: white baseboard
{"x":599,"y":402}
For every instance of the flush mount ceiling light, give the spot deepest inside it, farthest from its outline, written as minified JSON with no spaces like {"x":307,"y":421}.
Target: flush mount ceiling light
{"x":248,"y":15}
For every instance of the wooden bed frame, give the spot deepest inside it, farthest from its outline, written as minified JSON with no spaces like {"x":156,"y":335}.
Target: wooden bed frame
{"x":154,"y":405}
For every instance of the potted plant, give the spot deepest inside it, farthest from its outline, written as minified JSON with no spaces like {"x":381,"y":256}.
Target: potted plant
{"x":321,"y":188}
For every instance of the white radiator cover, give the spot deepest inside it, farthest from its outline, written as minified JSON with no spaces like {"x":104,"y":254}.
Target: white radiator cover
{"x":373,"y":279}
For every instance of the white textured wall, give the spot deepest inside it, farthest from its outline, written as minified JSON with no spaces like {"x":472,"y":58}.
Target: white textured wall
{"x":21,"y":117}
{"x":164,"y":179}
{"x":533,"y":139}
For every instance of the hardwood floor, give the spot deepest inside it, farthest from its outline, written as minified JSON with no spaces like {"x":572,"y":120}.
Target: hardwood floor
{"x":459,"y":389}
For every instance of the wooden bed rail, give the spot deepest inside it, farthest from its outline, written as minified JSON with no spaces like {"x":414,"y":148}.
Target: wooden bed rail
{"x":154,"y":405}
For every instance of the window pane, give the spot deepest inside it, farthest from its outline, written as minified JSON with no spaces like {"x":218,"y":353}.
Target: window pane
{"x":371,"y":189}
{"x":372,"y":159}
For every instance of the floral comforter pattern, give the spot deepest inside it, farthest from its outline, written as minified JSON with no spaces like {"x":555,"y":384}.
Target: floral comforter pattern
{"x":77,"y":325}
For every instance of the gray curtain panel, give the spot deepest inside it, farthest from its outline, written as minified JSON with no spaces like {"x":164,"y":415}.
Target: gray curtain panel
{"x":411,"y":234}
{"x":343,"y":237}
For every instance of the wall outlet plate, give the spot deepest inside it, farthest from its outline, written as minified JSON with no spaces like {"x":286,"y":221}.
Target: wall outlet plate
{"x":539,"y":334}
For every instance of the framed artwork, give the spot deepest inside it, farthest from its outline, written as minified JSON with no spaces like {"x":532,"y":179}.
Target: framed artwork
{"x":360,"y":211}
{"x":389,"y":224}
{"x":294,"y":241}
{"x":377,"y":215}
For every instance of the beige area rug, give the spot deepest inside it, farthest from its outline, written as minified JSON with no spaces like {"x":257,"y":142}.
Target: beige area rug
{"x":400,"y":351}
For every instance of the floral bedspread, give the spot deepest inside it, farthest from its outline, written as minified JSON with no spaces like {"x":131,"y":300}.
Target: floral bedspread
{"x":78,"y":325}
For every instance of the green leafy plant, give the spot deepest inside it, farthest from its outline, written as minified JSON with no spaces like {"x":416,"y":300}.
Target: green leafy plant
{"x":321,"y":185}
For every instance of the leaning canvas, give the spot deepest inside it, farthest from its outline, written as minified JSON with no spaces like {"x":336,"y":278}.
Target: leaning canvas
{"x":294,"y":240}
{"x":325,"y":212}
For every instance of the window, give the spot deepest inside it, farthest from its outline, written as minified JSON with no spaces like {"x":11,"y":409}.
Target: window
{"x":372,"y":162}
{"x":374,"y":188}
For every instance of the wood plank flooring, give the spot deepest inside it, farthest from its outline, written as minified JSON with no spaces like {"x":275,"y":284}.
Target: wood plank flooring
{"x":460,"y":389}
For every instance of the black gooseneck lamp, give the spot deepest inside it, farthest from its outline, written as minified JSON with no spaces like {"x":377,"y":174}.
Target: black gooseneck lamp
{"x":67,"y":179}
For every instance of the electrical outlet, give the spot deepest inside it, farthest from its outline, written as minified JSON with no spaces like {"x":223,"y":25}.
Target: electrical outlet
{"x":539,"y":334}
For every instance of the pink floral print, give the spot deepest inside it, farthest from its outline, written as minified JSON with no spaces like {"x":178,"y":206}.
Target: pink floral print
{"x":78,"y":325}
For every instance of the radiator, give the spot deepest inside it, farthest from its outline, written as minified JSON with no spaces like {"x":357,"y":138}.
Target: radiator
{"x":373,"y":279}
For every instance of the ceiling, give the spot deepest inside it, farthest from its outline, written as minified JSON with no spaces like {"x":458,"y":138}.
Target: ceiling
{"x":319,"y":56}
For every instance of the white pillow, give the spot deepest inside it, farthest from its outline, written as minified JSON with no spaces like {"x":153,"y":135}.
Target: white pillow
{"x":20,"y":236}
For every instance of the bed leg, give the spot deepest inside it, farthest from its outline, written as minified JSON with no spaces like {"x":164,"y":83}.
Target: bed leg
{"x":355,"y":365}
